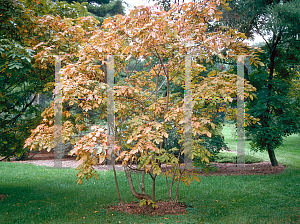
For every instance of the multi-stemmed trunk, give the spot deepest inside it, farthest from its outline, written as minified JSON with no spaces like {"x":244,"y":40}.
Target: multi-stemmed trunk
{"x":139,"y":196}
{"x":177,"y":166}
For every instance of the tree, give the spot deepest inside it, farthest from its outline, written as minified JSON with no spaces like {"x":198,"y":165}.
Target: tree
{"x":21,"y":79}
{"x":144,"y":117}
{"x":277,"y":22}
{"x":102,"y":9}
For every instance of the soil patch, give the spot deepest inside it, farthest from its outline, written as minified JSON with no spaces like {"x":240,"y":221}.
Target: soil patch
{"x":163,"y":208}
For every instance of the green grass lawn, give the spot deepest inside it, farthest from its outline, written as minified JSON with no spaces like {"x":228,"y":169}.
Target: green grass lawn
{"x":36,"y":194}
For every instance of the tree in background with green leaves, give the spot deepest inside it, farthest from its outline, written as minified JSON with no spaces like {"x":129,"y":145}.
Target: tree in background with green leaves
{"x":278,"y":23}
{"x":21,"y":80}
{"x":102,"y":9}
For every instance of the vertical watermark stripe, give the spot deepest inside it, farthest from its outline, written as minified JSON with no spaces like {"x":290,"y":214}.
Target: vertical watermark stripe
{"x":57,"y":144}
{"x":240,"y":144}
{"x":240,"y":141}
{"x":110,"y":111}
{"x":187,"y":112}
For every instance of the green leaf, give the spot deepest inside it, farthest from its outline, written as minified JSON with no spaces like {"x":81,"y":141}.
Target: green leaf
{"x":142,"y":202}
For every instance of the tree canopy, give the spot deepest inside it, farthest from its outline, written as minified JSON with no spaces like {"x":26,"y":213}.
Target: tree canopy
{"x":102,"y":9}
{"x":144,"y":118}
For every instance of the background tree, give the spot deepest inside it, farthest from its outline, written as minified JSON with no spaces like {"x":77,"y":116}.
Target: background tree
{"x":21,"y":80}
{"x":277,"y":22}
{"x":102,"y":9}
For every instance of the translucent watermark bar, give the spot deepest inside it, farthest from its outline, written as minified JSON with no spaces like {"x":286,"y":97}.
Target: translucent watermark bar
{"x":187,"y":112}
{"x":110,"y":110}
{"x":240,"y":144}
{"x":58,"y":150}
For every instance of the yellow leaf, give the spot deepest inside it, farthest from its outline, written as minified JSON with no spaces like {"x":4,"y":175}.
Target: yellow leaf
{"x":208,"y":134}
{"x":206,"y":159}
{"x":221,"y":56}
{"x":101,"y":158}
{"x":82,"y":159}
{"x":181,"y":122}
{"x":67,"y":114}
{"x":126,"y":50}
{"x":260,"y":63}
{"x":165,"y":134}
{"x":242,"y":35}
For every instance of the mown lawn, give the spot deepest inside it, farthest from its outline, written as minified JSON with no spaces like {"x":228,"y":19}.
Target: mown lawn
{"x":36,"y":194}
{"x":288,"y":154}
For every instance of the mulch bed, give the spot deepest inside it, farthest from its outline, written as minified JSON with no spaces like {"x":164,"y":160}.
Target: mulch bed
{"x":163,"y":208}
{"x":247,"y":169}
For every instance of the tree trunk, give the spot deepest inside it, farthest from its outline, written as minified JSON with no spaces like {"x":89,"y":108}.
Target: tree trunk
{"x":134,"y":193}
{"x":153,"y":187}
{"x":138,"y":179}
{"x":177,"y":189}
{"x":178,"y":181}
{"x":272,"y":157}
{"x":117,"y":186}
{"x":143,"y":182}
{"x":271,"y":68}
{"x":170,"y":198}
{"x":173,"y":179}
{"x":156,"y":87}
{"x":115,"y":174}
{"x":172,"y":182}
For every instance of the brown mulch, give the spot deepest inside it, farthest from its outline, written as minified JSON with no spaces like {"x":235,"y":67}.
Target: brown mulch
{"x":163,"y":208}
{"x":244,"y":169}
{"x":45,"y":158}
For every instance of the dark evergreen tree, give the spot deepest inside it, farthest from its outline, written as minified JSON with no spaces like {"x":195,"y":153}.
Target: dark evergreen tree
{"x":102,"y":9}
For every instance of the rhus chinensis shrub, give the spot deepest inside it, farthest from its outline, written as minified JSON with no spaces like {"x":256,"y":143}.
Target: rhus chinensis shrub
{"x":144,"y":114}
